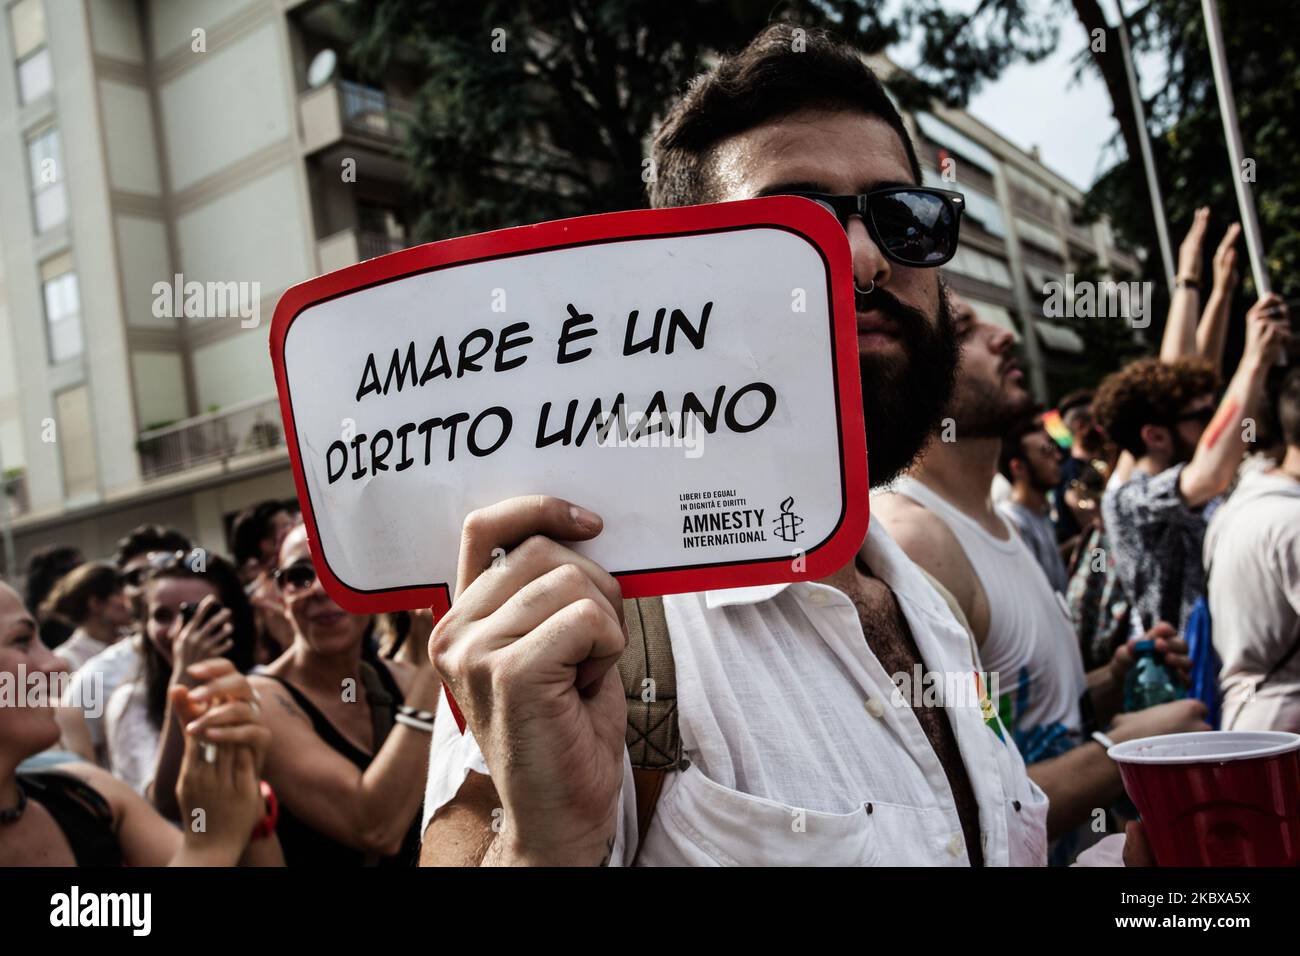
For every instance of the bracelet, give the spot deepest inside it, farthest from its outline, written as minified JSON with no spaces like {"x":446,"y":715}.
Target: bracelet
{"x":406,"y":720}
{"x":1102,"y":739}
{"x":409,"y":711}
{"x":1185,"y":283}
{"x":266,"y":826}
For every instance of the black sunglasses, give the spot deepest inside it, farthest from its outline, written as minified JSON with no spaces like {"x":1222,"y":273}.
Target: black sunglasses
{"x":912,"y":225}
{"x":295,"y":577}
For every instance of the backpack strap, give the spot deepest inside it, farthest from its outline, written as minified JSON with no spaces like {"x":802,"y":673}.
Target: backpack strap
{"x":649,"y":676}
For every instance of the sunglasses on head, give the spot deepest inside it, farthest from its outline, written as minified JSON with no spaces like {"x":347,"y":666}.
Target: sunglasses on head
{"x":298,"y":576}
{"x":155,"y":562}
{"x":913,"y":225}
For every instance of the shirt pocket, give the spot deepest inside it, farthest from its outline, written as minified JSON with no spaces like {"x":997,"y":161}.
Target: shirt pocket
{"x":1027,"y":827}
{"x":701,"y":823}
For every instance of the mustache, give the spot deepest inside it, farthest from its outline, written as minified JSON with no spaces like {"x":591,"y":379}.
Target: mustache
{"x":887,"y":304}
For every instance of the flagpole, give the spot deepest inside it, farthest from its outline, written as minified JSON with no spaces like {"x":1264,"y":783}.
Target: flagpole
{"x":1228,"y":111}
{"x":1148,"y":161}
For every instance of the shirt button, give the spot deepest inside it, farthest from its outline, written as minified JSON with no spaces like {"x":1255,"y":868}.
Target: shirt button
{"x":874,"y":707}
{"x":955,"y":844}
{"x":818,"y":598}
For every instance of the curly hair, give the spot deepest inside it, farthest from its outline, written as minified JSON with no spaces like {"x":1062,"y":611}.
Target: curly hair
{"x":1149,"y":392}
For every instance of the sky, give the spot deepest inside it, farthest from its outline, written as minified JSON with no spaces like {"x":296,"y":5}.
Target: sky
{"x":1039,"y":104}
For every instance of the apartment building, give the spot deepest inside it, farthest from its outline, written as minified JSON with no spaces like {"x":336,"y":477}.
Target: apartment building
{"x":172,"y":166}
{"x":1022,"y":230}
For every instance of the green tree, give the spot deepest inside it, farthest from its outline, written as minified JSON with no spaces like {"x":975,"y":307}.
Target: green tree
{"x":1262,"y":45}
{"x":543,"y":109}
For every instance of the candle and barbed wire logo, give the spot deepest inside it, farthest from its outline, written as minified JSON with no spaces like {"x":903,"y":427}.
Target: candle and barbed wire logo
{"x":787,"y":523}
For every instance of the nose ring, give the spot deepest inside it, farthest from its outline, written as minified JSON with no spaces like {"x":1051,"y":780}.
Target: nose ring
{"x":867,"y":291}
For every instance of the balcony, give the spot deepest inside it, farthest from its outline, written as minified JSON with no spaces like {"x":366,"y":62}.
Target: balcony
{"x":346,"y":111}
{"x":223,"y":437}
{"x":350,"y":246}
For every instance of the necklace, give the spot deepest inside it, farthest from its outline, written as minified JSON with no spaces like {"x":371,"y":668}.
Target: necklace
{"x":12,"y":814}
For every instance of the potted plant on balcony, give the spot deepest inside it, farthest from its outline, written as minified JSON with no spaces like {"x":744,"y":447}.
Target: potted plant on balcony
{"x":262,"y":435}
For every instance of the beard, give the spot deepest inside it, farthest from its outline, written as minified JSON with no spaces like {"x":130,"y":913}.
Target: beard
{"x":1092,"y":442}
{"x":1039,"y":483}
{"x":903,"y":399}
{"x":983,"y":409}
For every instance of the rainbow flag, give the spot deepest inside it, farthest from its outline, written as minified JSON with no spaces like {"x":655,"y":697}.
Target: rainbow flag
{"x":1056,"y":428}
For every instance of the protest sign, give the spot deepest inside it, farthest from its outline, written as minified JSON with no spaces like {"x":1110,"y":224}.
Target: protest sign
{"x":690,"y":374}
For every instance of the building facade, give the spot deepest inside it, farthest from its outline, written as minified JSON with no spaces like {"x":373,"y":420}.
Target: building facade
{"x":172,"y":166}
{"x":179,"y":170}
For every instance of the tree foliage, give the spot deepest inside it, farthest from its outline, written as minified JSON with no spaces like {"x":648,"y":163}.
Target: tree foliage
{"x":543,"y":109}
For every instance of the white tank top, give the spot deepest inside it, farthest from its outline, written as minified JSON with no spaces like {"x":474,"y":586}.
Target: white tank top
{"x":1031,"y":646}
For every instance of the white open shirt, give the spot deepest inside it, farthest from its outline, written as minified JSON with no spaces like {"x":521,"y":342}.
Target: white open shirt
{"x":798,"y":753}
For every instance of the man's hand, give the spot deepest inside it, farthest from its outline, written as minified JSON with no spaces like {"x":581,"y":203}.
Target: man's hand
{"x":1225,"y":259}
{"x":1168,"y":644}
{"x":529,"y":650}
{"x":1267,"y":331}
{"x":1175,"y":717}
{"x":1189,"y":253}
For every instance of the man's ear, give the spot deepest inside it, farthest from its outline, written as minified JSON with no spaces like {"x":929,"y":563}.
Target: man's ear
{"x":1019,"y":469}
{"x":1155,"y":437}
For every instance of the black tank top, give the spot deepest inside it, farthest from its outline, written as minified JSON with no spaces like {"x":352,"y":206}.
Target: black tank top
{"x":306,"y":846}
{"x":80,"y":811}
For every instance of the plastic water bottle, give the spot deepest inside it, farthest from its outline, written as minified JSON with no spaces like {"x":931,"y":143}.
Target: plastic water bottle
{"x":1148,"y":681}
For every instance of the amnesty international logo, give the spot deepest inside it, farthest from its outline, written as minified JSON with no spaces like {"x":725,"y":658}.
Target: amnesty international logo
{"x":787,"y":522}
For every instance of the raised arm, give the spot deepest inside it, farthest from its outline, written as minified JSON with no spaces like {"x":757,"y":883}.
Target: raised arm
{"x":1212,"y":332}
{"x":1185,"y":297}
{"x":369,"y":811}
{"x":207,"y":636}
{"x":1222,"y":445}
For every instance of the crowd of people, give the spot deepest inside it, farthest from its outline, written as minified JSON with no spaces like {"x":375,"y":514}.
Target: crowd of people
{"x":1033,"y":557}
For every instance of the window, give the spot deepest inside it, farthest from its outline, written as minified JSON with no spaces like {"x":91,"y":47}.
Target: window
{"x":27,"y":24}
{"x":62,"y":308}
{"x":76,"y":442}
{"x":45,"y":164}
{"x":1039,"y":236}
{"x":981,"y":208}
{"x":978,"y":265}
{"x":945,"y":136}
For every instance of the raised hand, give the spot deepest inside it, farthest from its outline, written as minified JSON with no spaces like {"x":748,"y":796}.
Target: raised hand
{"x":1189,"y":253}
{"x":529,"y":650}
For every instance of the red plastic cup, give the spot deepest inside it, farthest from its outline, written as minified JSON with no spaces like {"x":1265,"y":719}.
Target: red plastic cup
{"x":1216,"y":798}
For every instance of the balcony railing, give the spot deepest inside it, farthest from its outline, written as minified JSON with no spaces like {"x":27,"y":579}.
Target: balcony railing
{"x":371,"y":111}
{"x":247,"y":428}
{"x":331,"y":113}
{"x":350,"y":246}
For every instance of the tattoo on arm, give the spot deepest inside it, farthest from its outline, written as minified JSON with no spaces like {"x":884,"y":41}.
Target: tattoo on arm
{"x":290,"y":707}
{"x":609,"y":852}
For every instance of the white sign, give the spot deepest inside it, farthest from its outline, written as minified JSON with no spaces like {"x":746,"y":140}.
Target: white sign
{"x":691,"y":375}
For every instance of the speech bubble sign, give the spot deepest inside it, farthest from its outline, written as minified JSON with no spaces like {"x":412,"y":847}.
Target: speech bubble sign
{"x":689,"y":374}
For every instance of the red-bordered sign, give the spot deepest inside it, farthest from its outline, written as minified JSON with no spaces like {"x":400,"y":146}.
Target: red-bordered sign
{"x":799,"y":217}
